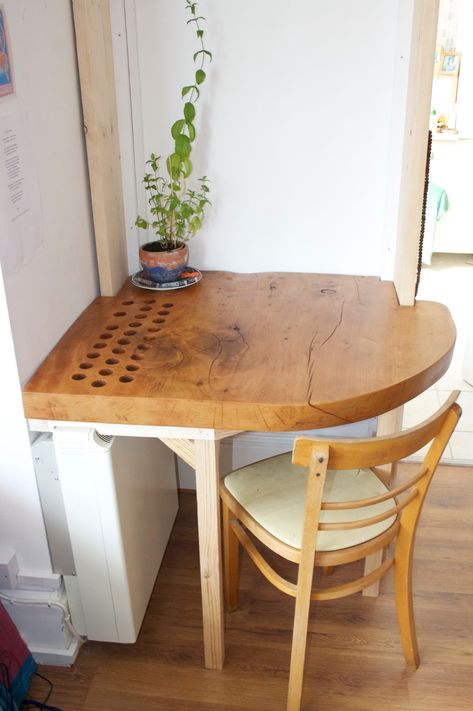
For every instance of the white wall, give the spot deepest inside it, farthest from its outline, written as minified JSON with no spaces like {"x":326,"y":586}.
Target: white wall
{"x":294,"y":124}
{"x":54,"y":283}
{"x":465,"y":83}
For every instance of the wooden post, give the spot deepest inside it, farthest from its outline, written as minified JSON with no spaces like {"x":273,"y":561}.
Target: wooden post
{"x":97,"y":83}
{"x":388,"y":423}
{"x":210,"y":550}
{"x":419,"y":92}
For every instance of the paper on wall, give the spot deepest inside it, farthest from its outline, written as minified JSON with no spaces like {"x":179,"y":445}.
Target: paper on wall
{"x":20,"y":214}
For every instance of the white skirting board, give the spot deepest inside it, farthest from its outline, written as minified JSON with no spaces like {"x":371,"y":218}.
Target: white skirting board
{"x":248,"y":447}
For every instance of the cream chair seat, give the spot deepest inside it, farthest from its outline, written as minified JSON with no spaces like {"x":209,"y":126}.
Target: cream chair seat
{"x":273,"y":492}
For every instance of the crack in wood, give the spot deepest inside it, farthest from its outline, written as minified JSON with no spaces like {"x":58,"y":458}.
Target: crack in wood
{"x":311,"y":360}
{"x":221,"y":346}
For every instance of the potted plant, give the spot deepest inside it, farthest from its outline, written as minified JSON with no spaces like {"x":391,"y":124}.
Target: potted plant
{"x":176,"y":210}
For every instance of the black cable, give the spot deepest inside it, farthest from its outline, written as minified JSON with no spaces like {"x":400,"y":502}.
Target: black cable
{"x":48,"y":682}
{"x":31,"y":703}
{"x":424,"y":208}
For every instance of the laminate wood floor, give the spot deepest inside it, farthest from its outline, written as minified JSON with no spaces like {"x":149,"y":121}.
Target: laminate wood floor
{"x":354,"y":659}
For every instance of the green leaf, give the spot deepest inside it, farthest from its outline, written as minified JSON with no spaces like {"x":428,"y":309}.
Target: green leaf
{"x":195,"y":19}
{"x":189,"y":111}
{"x":203,"y":51}
{"x":185,"y":90}
{"x":200,"y":76}
{"x":187,"y":165}
{"x":195,"y":224}
{"x":140,"y":222}
{"x":200,"y":34}
{"x":191,"y":129}
{"x":177,"y":128}
{"x":182,"y":146}
{"x":173,"y":165}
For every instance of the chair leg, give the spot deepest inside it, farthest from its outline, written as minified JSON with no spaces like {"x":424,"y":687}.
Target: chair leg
{"x":372,"y":562}
{"x":298,"y":651}
{"x":405,"y":609}
{"x":231,"y":560}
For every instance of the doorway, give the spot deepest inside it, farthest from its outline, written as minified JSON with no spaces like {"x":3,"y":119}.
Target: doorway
{"x":447,"y":269}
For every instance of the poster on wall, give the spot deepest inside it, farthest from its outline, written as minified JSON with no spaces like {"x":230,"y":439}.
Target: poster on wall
{"x":20,"y":202}
{"x":6,"y":71}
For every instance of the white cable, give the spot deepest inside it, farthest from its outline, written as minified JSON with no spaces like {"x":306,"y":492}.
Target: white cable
{"x":49,"y":603}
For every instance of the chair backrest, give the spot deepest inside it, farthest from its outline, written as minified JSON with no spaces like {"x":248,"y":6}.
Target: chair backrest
{"x":348,"y":454}
{"x":376,"y":451}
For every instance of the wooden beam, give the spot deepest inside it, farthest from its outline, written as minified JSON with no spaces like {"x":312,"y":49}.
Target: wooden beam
{"x":97,"y":83}
{"x":419,"y":93}
{"x":184,"y":448}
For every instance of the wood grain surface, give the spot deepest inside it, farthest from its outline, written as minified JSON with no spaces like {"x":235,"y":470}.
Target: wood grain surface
{"x":354,"y":662}
{"x":265,"y":352}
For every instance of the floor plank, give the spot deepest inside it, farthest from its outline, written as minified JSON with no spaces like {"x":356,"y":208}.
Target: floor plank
{"x":354,"y":661}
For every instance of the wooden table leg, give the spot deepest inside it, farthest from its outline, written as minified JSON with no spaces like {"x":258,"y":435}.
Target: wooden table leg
{"x":388,"y":423}
{"x":211,"y":578}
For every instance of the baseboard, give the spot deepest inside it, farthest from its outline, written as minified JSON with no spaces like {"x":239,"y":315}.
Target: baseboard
{"x":55,"y":657}
{"x":39,"y":618}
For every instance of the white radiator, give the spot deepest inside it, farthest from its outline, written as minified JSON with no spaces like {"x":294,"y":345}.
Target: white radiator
{"x":109,"y":504}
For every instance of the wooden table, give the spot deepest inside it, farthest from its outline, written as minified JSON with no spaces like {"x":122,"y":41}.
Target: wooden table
{"x":256,"y":352}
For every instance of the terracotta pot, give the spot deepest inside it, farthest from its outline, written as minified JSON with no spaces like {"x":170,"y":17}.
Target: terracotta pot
{"x":161,"y":266}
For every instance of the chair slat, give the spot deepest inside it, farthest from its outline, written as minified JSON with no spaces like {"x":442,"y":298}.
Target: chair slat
{"x":362,"y":522}
{"x":341,"y":505}
{"x":354,"y":586}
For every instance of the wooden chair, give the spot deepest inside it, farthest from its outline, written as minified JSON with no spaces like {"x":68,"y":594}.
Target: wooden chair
{"x":314,"y":515}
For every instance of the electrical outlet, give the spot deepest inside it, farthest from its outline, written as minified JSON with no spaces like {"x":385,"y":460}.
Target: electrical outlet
{"x":8,"y":570}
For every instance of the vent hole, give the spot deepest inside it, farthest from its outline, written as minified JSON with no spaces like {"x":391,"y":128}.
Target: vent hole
{"x":127,"y":303}
{"x":100,"y":345}
{"x":118,"y":314}
{"x":98,"y":383}
{"x":168,"y":306}
{"x":135,"y":324}
{"x":105,"y":336}
{"x":118,"y":351}
{"x":85,"y":366}
{"x":131,"y":368}
{"x":112,"y":327}
{"x":93,"y":355}
{"x":125,"y":379}
{"x":137,"y":356}
{"x":124,"y":341}
{"x":79,"y":376}
{"x":105,"y":371}
{"x":112,"y":361}
{"x":130,"y":332}
{"x":163,"y":313}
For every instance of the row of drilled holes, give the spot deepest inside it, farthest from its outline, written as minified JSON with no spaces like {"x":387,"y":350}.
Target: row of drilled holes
{"x":122,"y":342}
